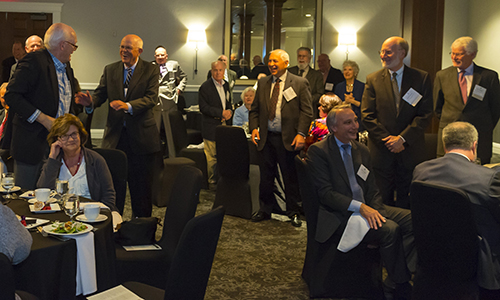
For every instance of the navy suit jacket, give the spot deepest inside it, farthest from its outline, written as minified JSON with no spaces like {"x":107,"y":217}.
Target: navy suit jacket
{"x":211,"y":107}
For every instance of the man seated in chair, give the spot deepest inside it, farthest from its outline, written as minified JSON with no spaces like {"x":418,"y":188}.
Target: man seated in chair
{"x":457,"y":169}
{"x":346,"y":188}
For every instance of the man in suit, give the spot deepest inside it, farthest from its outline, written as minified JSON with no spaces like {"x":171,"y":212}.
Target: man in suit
{"x":172,"y":84}
{"x":346,"y":187}
{"x":131,"y":86}
{"x":314,"y":77}
{"x":17,"y":54}
{"x":331,"y":76}
{"x":470,"y":93}
{"x":229,"y":75}
{"x":42,"y":89}
{"x":259,"y":67}
{"x":214,"y":100}
{"x":457,"y":169}
{"x":396,"y":113}
{"x":279,"y":119}
{"x":32,"y":44}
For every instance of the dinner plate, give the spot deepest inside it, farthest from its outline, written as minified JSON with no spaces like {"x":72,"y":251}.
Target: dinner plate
{"x":51,"y":200}
{"x":99,"y":218}
{"x":54,"y":208}
{"x":14,"y":189}
{"x":49,"y":228}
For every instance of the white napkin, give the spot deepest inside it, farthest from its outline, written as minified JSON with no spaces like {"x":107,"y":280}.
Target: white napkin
{"x":355,"y":231}
{"x":86,"y":280}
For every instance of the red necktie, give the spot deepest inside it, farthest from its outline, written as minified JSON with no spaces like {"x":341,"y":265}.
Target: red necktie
{"x":2,"y":127}
{"x":463,"y":85}
{"x":274,"y":100}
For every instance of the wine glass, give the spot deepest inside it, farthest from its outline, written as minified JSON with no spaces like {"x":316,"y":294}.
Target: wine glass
{"x":71,"y":205}
{"x":62,"y":188}
{"x":8,"y":183}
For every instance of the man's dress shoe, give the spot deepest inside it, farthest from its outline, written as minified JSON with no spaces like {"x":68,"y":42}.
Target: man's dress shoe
{"x":296,"y":222}
{"x":260,"y":216}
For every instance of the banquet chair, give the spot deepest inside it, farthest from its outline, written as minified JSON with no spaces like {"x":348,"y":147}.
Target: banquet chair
{"x":328,"y":272}
{"x":446,"y":241}
{"x":151,"y":267}
{"x":7,"y":282}
{"x":181,"y":141}
{"x":234,"y":188}
{"x":192,"y":262}
{"x":117,"y":164}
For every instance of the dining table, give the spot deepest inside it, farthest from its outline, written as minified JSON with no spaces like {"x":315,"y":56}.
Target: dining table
{"x":50,"y":270}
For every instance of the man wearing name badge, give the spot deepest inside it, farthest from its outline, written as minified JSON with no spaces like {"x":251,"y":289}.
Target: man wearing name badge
{"x":229,"y":75}
{"x":396,"y":109}
{"x":470,"y":93}
{"x":350,"y":201}
{"x":303,"y":69}
{"x":279,"y":119}
{"x":331,"y":76}
{"x":131,"y":86}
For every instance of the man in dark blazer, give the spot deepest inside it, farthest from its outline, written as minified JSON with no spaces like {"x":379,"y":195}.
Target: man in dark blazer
{"x":342,"y":172}
{"x":131,"y":86}
{"x":331,"y":76}
{"x":259,"y":67}
{"x":314,"y":77}
{"x":457,"y":169}
{"x":279,"y":123}
{"x":42,"y":89}
{"x":229,"y":75}
{"x":17,"y":53}
{"x":479,"y":104}
{"x":396,"y":113}
{"x":214,"y":100}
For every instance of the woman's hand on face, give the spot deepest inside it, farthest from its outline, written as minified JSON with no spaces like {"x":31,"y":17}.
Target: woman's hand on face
{"x":55,"y":149}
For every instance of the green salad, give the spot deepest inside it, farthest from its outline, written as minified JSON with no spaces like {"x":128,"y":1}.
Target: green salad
{"x":68,"y":227}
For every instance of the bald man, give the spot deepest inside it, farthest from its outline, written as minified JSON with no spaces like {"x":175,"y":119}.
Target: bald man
{"x":131,"y":87}
{"x":32,"y":44}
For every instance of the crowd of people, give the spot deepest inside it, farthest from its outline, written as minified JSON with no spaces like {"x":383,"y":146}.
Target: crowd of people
{"x":322,"y":113}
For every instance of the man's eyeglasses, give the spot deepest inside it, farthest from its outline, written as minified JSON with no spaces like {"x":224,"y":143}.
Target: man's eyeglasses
{"x":73,"y":45}
{"x":66,"y":137}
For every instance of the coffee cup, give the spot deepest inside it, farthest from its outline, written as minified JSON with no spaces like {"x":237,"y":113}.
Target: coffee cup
{"x":42,"y":195}
{"x":91,"y":211}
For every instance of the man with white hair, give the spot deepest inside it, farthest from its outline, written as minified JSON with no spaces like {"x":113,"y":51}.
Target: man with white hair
{"x":470,"y":93}
{"x":32,"y":44}
{"x":43,"y":88}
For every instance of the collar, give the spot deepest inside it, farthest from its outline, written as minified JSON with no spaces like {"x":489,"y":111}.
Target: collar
{"x":468,"y":71}
{"x":305,"y":69}
{"x":339,"y":143}
{"x":133,"y":67}
{"x":57,"y":63}
{"x":217,"y":83}
{"x":282,"y":77}
{"x":459,"y":154}
{"x":398,"y":72}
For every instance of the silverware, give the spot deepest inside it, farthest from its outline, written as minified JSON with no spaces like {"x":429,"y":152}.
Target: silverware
{"x":45,"y":234}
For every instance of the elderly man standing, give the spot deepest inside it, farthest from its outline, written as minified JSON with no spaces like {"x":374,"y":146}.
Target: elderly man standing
{"x":279,"y":120}
{"x":32,"y":44}
{"x":131,"y":86}
{"x":396,"y":109}
{"x":172,"y":84}
{"x":229,"y":75}
{"x":468,"y":92}
{"x":313,"y":76}
{"x":42,"y":89}
{"x":331,"y":76}
{"x":214,"y":100}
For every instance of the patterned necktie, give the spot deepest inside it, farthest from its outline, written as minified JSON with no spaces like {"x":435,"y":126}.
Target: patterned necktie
{"x":395,"y":89}
{"x":129,"y":76}
{"x":274,"y":99}
{"x":357,"y":192}
{"x":463,"y":85}
{"x":301,"y":72}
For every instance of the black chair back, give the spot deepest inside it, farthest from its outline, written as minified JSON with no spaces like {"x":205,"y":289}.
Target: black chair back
{"x":179,"y":131}
{"x":446,"y":242}
{"x":117,"y":164}
{"x":7,"y":283}
{"x":192,"y":262}
{"x":233,"y":158}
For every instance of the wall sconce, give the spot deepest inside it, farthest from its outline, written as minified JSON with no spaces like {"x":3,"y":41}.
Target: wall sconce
{"x":196,"y":36}
{"x":347,"y":39}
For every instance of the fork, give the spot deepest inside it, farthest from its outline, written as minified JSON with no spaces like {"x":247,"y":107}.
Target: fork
{"x":45,"y":234}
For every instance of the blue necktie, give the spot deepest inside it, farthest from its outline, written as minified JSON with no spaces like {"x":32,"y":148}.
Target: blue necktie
{"x":129,"y":76}
{"x":357,"y":192}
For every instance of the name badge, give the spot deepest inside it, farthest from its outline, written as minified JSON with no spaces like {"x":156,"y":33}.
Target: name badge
{"x":329,"y":86}
{"x":479,"y":92}
{"x":289,"y":94}
{"x":363,"y":172}
{"x":412,"y":97}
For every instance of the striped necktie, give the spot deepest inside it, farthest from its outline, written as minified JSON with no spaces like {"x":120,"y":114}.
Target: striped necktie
{"x":129,"y":76}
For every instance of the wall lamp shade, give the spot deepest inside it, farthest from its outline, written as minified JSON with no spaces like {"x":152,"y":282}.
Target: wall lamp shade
{"x":347,"y":39}
{"x":196,"y":36}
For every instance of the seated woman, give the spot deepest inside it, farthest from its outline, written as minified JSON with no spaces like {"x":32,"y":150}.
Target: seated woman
{"x":15,"y":241}
{"x":318,"y":129}
{"x":85,"y":170}
{"x":241,"y":113}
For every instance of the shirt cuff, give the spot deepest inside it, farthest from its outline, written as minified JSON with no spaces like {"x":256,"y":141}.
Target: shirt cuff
{"x":354,"y":206}
{"x":129,"y":110}
{"x":404,"y":141}
{"x":303,"y":135}
{"x":34,"y":116}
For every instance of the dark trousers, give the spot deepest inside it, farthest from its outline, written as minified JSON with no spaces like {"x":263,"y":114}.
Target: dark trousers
{"x":272,"y":155}
{"x":141,"y":171}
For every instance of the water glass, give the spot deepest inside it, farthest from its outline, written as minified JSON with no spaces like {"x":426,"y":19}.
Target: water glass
{"x":71,"y":205}
{"x":8,"y":183}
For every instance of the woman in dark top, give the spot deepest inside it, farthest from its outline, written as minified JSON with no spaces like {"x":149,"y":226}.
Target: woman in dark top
{"x":351,"y":90}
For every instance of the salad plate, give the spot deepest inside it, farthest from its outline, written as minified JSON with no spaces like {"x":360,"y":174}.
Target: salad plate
{"x":50,"y":229}
{"x":12,"y":190}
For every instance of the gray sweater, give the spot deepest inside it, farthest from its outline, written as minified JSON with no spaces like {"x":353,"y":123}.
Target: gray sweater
{"x":15,"y":240}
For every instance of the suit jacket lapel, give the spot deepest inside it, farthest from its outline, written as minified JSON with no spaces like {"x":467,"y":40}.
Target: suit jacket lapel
{"x":476,"y":79}
{"x":267,"y":92}
{"x":288,"y":83}
{"x":53,"y":77}
{"x":139,"y":69}
{"x":386,"y":81}
{"x":338,"y":162}
{"x":357,"y":162}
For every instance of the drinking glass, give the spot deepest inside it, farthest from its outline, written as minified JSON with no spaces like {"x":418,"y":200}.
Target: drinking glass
{"x":8,"y":183}
{"x":71,"y":205}
{"x":62,"y":188}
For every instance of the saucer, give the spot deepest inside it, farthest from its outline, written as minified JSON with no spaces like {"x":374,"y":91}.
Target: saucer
{"x":99,"y":218}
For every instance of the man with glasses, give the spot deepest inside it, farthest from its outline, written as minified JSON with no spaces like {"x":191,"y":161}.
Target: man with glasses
{"x":396,"y":109}
{"x":470,"y":93}
{"x":43,"y":88}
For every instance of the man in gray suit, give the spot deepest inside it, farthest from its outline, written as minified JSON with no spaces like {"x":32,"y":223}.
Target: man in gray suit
{"x":470,"y":93}
{"x":131,"y":86}
{"x":457,"y":169}
{"x":279,"y":120}
{"x":313,"y":76}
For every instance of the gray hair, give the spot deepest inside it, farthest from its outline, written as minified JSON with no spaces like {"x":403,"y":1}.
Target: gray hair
{"x":305,"y":49}
{"x":331,"y":119}
{"x":459,"y":135}
{"x":57,"y":33}
{"x":469,"y":44}
{"x":284,"y":55}
{"x":353,"y":65}
{"x":329,"y":101}
{"x":246,"y":91}
{"x":404,"y":45}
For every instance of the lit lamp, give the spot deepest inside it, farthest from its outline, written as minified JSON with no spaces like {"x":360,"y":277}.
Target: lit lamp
{"x":196,"y":36}
{"x":347,"y":39}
